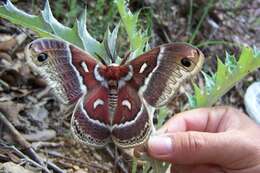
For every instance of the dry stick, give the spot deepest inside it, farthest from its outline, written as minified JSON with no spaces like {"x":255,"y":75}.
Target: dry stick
{"x":27,"y":146}
{"x":120,"y":164}
{"x":25,"y":157}
{"x":93,"y":165}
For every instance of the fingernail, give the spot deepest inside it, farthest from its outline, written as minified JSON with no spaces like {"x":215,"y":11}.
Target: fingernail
{"x":160,"y":145}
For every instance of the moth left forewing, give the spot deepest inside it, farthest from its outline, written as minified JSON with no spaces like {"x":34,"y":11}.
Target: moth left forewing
{"x":70,"y":73}
{"x":57,"y":69}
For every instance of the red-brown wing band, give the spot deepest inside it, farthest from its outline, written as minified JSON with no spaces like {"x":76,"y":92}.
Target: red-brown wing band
{"x":128,"y":105}
{"x":85,"y":64}
{"x":142,"y":67}
{"x":96,"y":104}
{"x":131,"y":122}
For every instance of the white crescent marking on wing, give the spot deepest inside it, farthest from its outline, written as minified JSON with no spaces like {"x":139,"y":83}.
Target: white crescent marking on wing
{"x":127,"y":104}
{"x":128,"y":123}
{"x":97,"y":103}
{"x":143,"y":67}
{"x":84,"y":66}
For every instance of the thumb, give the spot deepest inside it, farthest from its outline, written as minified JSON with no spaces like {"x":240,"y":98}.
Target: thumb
{"x":196,"y":148}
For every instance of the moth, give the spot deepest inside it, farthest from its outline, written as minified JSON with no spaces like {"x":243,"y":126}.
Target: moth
{"x":113,"y":102}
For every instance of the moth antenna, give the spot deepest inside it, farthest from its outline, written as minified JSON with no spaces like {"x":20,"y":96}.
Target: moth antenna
{"x":101,"y":59}
{"x":126,"y":57}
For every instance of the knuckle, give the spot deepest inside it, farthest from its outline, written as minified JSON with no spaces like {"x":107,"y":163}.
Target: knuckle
{"x":194,"y":142}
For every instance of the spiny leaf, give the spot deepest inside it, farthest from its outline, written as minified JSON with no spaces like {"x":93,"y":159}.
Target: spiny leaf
{"x":46,"y":25}
{"x":10,"y":12}
{"x":113,"y":38}
{"x":163,"y":113}
{"x":227,"y":76}
{"x":222,"y":72}
{"x":209,"y":82}
{"x":246,"y":58}
{"x":230,"y":62}
{"x":198,"y":92}
{"x":138,"y":40}
{"x":109,"y":43}
{"x":90,"y":44}
{"x":191,"y":99}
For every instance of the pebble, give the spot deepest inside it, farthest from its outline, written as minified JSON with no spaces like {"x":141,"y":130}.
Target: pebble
{"x":252,"y":101}
{"x":43,"y":135}
{"x":10,"y":167}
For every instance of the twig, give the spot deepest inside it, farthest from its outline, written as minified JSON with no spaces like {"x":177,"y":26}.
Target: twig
{"x":190,"y":17}
{"x":26,"y":158}
{"x":27,"y":147}
{"x":162,"y":30}
{"x":236,"y":9}
{"x":119,"y":163}
{"x":94,"y":165}
{"x":204,"y":15}
{"x":16,"y":135}
{"x":37,"y":145}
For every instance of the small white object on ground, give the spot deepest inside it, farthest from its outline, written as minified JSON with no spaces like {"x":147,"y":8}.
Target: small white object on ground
{"x":10,"y":167}
{"x":252,"y":101}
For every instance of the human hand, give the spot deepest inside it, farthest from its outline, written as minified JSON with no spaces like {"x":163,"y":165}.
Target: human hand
{"x":209,"y":140}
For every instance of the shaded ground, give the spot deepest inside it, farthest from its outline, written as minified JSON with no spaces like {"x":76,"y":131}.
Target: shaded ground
{"x":28,"y":104}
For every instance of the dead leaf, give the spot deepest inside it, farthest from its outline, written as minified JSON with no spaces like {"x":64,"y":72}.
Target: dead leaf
{"x":13,"y":78}
{"x":11,"y":109}
{"x":8,"y":45}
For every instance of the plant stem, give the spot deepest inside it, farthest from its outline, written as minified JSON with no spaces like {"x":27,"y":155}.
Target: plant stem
{"x":216,"y":42}
{"x":205,"y":13}
{"x":190,"y":17}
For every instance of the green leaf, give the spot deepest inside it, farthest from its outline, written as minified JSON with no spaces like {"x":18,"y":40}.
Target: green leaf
{"x":192,"y":100}
{"x":46,"y":25}
{"x":137,"y":39}
{"x":163,"y":113}
{"x":221,"y":73}
{"x":134,"y":165}
{"x":209,"y":82}
{"x":109,"y":43}
{"x":156,"y":165}
{"x":230,"y":62}
{"x":227,"y":76}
